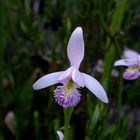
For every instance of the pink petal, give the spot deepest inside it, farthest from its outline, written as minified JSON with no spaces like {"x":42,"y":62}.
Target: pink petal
{"x":121,"y":62}
{"x":95,"y":87}
{"x":47,"y":80}
{"x":130,"y":76}
{"x":65,"y":74}
{"x":139,"y":60}
{"x":60,"y":135}
{"x":131,"y":73}
{"x":9,"y":121}
{"x":127,"y":62}
{"x":77,"y":77}
{"x":128,"y":53}
{"x":75,"y":48}
{"x":133,"y":61}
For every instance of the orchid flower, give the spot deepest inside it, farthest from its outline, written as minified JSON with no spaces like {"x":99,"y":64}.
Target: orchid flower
{"x":72,"y":79}
{"x":131,"y":59}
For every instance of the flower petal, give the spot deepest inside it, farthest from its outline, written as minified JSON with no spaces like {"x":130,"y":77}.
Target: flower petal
{"x":60,"y":135}
{"x":65,"y":74}
{"x":47,"y":80}
{"x":127,"y":62}
{"x":128,"y":54}
{"x":95,"y":87}
{"x":75,"y":48}
{"x":131,"y":73}
{"x":133,"y":61}
{"x":67,"y":97}
{"x":9,"y":121}
{"x":121,"y":62}
{"x":139,"y":60}
{"x":77,"y":77}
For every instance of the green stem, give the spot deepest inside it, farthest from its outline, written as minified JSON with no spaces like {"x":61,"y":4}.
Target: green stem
{"x":67,"y":114}
{"x":119,"y":125}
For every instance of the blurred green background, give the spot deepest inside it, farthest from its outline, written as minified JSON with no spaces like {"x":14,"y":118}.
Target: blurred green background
{"x":33,"y":42}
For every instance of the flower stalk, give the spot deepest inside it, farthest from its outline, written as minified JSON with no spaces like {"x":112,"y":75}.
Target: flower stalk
{"x":67,"y":114}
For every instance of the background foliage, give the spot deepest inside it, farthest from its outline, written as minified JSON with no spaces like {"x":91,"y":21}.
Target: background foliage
{"x":33,"y":42}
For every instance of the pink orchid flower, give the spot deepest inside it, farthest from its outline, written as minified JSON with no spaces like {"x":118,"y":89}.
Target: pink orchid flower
{"x":131,"y":59}
{"x":68,"y":95}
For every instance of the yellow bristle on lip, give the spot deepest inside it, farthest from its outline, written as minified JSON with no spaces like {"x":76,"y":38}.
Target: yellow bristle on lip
{"x":69,"y":87}
{"x":134,"y":68}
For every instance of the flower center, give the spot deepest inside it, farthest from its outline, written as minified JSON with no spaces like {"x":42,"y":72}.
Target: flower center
{"x":134,"y":68}
{"x":68,"y":88}
{"x":67,"y":95}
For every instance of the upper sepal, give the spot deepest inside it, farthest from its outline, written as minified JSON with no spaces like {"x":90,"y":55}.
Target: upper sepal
{"x":75,"y":47}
